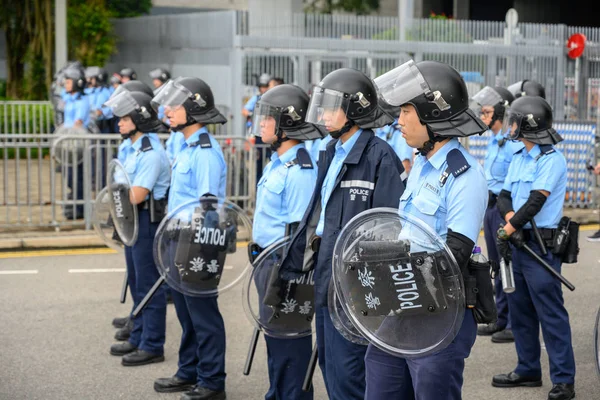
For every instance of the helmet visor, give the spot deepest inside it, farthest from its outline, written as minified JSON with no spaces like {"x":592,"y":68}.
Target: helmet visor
{"x":265,"y":119}
{"x":516,"y":89}
{"x":402,"y":84}
{"x":92,"y":72}
{"x":324,"y":106}
{"x":485,"y":97}
{"x":156,"y":74}
{"x":122,"y":104}
{"x":172,"y":95}
{"x":512,"y":124}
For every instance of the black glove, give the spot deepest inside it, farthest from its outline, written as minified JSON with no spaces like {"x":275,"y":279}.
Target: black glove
{"x":517,"y":238}
{"x":504,"y":249}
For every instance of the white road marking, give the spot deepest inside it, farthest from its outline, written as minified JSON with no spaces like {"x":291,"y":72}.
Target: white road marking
{"x":92,"y":270}
{"x":228,"y":267}
{"x":19,"y":272}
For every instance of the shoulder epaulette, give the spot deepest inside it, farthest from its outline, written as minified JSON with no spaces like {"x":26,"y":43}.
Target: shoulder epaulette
{"x":457,"y":165}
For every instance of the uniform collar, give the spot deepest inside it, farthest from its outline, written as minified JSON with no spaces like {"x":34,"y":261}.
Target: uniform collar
{"x":196,"y":136}
{"x":498,"y":136}
{"x":355,"y":146}
{"x":438,"y":159}
{"x":534,"y":152}
{"x":138,"y":143}
{"x":289,"y":155}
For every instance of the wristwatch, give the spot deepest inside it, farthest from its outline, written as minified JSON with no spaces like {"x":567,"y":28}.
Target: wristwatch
{"x":502,"y":234}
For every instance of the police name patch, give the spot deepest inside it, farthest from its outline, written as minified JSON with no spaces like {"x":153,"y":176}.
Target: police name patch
{"x":432,"y":188}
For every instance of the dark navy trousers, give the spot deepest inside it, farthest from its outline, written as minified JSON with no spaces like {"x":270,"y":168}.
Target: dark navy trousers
{"x":202,"y":347}
{"x":491,"y":223}
{"x":148,"y":332}
{"x":538,"y":300}
{"x":438,"y":376}
{"x":342,"y":362}
{"x":288,"y":361}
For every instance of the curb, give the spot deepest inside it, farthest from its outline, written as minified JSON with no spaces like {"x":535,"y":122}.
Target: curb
{"x":72,"y":241}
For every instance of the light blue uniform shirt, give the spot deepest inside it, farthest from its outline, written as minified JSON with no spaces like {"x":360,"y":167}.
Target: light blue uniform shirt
{"x":497,"y":160}
{"x":91,"y":94}
{"x":459,"y":204}
{"x":341,"y":152}
{"x":549,"y":173}
{"x":197,"y":171}
{"x":122,"y":153}
{"x":314,"y":147}
{"x":283,"y":194}
{"x":251,"y":103}
{"x":148,"y":169}
{"x":102,"y":96}
{"x":77,"y":107}
{"x":396,"y":141}
{"x":174,"y":144}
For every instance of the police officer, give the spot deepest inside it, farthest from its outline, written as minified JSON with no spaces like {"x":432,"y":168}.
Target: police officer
{"x":391,"y":134}
{"x":76,"y":114}
{"x":136,"y":86}
{"x":314,"y":147}
{"x":534,"y":190}
{"x":275,"y":82}
{"x":357,"y":171}
{"x":282,"y":197}
{"x":199,"y":169}
{"x":159,"y":77}
{"x":527,"y":88}
{"x":263,"y":86}
{"x":446,"y":189}
{"x":98,"y":94}
{"x":115,"y":81}
{"x":491,"y":104}
{"x":127,"y":74}
{"x":148,"y":170}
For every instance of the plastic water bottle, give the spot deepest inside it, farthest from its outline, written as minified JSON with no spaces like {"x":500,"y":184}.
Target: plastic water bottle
{"x":478,"y":256}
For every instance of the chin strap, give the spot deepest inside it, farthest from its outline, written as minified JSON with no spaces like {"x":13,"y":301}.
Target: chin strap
{"x":129,"y":134}
{"x":188,"y":122}
{"x":280,"y":139}
{"x":347,"y":126}
{"x":428,"y":145}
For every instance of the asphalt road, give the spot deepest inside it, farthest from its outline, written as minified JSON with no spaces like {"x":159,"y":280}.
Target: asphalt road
{"x":55,"y":335}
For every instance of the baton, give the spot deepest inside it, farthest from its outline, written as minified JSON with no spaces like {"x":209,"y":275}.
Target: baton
{"x":306,"y":386}
{"x":251,"y":351}
{"x":548,"y":268}
{"x":538,"y":237}
{"x":124,"y":288}
{"x":148,"y":297}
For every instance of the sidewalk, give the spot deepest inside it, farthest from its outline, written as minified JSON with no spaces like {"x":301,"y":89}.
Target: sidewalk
{"x":29,"y":240}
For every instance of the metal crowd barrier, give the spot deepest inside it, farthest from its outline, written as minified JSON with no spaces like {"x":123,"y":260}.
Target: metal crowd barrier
{"x":43,"y":177}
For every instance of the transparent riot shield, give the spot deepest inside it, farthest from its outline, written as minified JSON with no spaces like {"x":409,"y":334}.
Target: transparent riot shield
{"x":122,"y":210}
{"x":398,"y":283}
{"x":102,"y":221}
{"x":196,"y":246}
{"x":340,"y":320}
{"x":280,"y":308}
{"x":68,"y":151}
{"x":597,"y":342}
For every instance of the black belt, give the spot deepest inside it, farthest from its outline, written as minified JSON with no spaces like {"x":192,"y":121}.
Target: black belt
{"x":144,"y":205}
{"x":547,"y":235}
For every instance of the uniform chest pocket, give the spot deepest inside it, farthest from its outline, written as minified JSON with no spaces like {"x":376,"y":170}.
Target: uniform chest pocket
{"x":430,"y":211}
{"x":184,"y":177}
{"x":526,"y":183}
{"x":130,"y":167}
{"x":273,"y":193}
{"x":500,"y":165}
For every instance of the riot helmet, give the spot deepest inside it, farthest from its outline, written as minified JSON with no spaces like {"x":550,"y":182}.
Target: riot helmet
{"x":160,"y":74}
{"x":77,"y":75}
{"x":115,"y":79}
{"x":507,"y":96}
{"x":530,"y":118}
{"x":286,"y":105}
{"x":490,"y":105}
{"x":137,"y":106}
{"x":527,"y":88}
{"x":439,"y":95}
{"x":99,"y":74}
{"x":128,"y":73}
{"x":263,"y":80}
{"x":195,"y":96}
{"x":350,"y":92}
{"x":133,"y":86}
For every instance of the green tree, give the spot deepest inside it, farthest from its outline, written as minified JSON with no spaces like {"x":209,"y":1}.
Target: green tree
{"x":129,"y":8}
{"x":359,"y":7}
{"x":90,"y":32}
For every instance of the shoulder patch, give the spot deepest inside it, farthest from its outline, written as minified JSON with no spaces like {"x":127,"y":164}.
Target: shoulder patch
{"x":304,"y":159}
{"x":203,"y":141}
{"x":545,"y":149}
{"x":457,"y":165}
{"x":146,"y":145}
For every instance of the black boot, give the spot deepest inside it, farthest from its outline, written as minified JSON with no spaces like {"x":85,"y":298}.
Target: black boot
{"x":202,"y":393}
{"x":562,"y":391}
{"x":172,"y":384}
{"x":119,"y":322}
{"x":124,"y":333}
{"x":513,"y":380}
{"x":121,"y":349}
{"x":141,"y":357}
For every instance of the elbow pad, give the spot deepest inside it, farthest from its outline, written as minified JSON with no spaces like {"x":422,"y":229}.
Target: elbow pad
{"x":504,"y":203}
{"x":532,"y":206}
{"x":461,"y":247}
